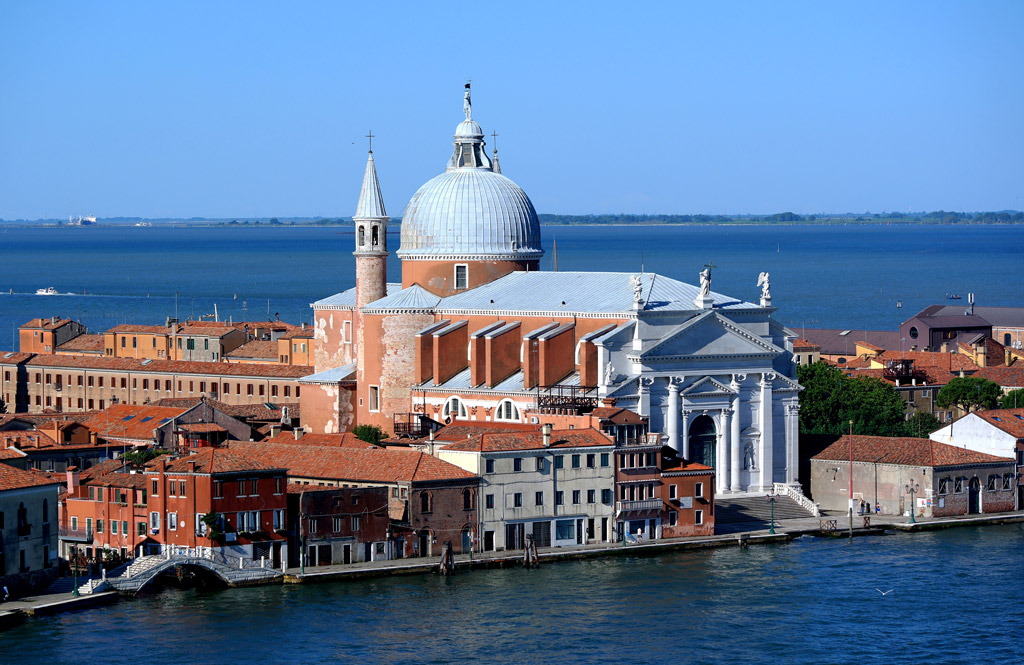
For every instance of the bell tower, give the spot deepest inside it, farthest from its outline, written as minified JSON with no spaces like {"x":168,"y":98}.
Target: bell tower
{"x":371,"y":222}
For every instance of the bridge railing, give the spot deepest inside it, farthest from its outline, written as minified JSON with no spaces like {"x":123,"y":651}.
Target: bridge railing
{"x":798,"y":496}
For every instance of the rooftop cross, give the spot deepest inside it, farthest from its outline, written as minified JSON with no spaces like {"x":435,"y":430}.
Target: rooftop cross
{"x":370,"y":136}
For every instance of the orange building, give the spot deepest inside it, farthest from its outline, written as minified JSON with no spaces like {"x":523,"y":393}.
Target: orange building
{"x":45,"y":335}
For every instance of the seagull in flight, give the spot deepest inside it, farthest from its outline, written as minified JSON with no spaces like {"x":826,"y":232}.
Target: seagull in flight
{"x":884,"y":593}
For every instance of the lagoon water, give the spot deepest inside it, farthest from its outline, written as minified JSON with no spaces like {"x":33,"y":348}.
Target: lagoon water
{"x":822,"y":276}
{"x":956,"y":597}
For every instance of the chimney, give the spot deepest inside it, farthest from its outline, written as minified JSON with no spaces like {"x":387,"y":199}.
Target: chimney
{"x":53,"y":319}
{"x":191,"y":466}
{"x":73,"y":478}
{"x":275,"y":430}
{"x":298,"y":433}
{"x":545,"y":431}
{"x":303,"y":326}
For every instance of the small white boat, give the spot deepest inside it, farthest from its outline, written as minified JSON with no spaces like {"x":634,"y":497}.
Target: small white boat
{"x":48,"y":291}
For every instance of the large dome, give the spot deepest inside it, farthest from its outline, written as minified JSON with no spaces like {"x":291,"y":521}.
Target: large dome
{"x":470,"y":211}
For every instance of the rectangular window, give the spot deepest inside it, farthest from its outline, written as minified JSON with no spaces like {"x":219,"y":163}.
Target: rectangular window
{"x":461,"y":276}
{"x":565,"y":529}
{"x":154,"y":522}
{"x":1007,"y":481}
{"x":993,"y":483}
{"x":540,"y":463}
{"x":172,"y":521}
{"x":253,"y":491}
{"x":698,"y":517}
{"x":154,"y":492}
{"x":559,"y":498}
{"x":248,"y":390}
{"x":113,"y":527}
{"x":99,"y":526}
{"x":346,"y":332}
{"x":489,"y":466}
{"x":141,"y":528}
{"x":74,"y":522}
{"x":88,"y":525}
{"x":278,"y":519}
{"x":489,"y":501}
{"x":517,"y":464}
{"x":591,"y":461}
{"x":698,"y":490}
{"x":374,"y":398}
{"x":538,"y":499}
{"x":355,"y":523}
{"x":278,"y":485}
{"x":337,"y":525}
{"x":672,"y":491}
{"x":958,"y":486}
{"x":575,"y":461}
{"x":559,"y":462}
{"x":673,"y":518}
{"x":606,"y":497}
{"x":218,"y":489}
{"x":517,"y":500}
{"x":576,"y":495}
{"x":124,"y":527}
{"x":241,"y":488}
{"x":591,"y":496}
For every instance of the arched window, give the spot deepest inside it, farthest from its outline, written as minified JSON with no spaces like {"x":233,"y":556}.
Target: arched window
{"x":506,"y":411}
{"x":702,"y":440}
{"x":1007,"y":339}
{"x":362,"y":236}
{"x":425,"y":502}
{"x":454,"y":408}
{"x":374,"y":236}
{"x":467,"y":499}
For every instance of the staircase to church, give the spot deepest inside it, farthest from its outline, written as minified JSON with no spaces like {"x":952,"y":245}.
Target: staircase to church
{"x":753,"y":512}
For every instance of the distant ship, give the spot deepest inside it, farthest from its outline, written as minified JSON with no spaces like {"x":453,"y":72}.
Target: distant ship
{"x":88,"y":220}
{"x":48,"y":291}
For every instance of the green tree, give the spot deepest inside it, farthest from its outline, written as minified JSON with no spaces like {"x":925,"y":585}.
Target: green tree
{"x":830,"y":400}
{"x":969,"y":393}
{"x":140,"y":457}
{"x":921,"y":424}
{"x":1011,"y":400}
{"x":369,"y":433}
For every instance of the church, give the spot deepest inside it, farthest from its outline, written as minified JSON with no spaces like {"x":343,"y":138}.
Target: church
{"x":475,"y":331}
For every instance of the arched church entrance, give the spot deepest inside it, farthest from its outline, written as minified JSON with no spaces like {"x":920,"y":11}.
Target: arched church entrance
{"x":702,"y":440}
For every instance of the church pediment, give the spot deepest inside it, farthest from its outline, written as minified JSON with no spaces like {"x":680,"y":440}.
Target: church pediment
{"x":707,"y":387}
{"x":708,"y":335}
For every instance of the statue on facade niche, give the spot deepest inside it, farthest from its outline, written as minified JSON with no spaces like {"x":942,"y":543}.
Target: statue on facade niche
{"x":763,"y":282}
{"x":748,"y":456}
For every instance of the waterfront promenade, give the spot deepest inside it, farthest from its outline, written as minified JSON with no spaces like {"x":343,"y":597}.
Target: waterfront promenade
{"x":14,"y":612}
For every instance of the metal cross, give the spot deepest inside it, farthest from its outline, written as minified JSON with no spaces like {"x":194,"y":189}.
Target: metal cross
{"x":494,"y":135}
{"x":709,"y":265}
{"x":370,"y":136}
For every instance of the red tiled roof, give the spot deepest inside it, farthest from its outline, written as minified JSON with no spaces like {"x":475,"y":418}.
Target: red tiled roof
{"x":1006,"y":377}
{"x":9,"y":453}
{"x":256,"y":348}
{"x":26,"y":439}
{"x":345,"y":440}
{"x":1010,"y":421}
{"x":201,"y":427}
{"x":46,"y":324}
{"x":40,"y":419}
{"x":131,"y":421}
{"x":565,"y":438}
{"x":869,"y":346}
{"x":84,"y":343}
{"x":243,"y":411}
{"x":15,"y":479}
{"x":460,"y":430}
{"x":904,"y":450}
{"x":618,"y":415}
{"x":378,"y":465}
{"x":14,"y":357}
{"x":216,"y":460}
{"x":800,"y":343}
{"x":167,"y":366}
{"x":685,"y":465}
{"x":137,"y":328}
{"x":118,"y":478}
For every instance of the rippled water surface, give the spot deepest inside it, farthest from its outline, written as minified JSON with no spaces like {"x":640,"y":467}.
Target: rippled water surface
{"x":826,"y":277}
{"x":956,"y":597}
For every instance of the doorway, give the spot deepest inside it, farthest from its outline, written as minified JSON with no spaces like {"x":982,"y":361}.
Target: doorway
{"x":424,"y":544}
{"x":974,"y":497}
{"x":703,"y":438}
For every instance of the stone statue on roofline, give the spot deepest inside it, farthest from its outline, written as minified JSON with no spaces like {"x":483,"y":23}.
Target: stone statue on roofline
{"x":766,"y":292}
{"x":467,"y":104}
{"x":705,"y":283}
{"x":637,"y":284}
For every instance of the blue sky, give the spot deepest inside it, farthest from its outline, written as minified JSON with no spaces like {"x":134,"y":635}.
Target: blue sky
{"x":259,"y":109}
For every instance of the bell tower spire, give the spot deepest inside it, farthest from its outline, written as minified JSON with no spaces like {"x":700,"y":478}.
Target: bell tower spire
{"x":371,"y":222}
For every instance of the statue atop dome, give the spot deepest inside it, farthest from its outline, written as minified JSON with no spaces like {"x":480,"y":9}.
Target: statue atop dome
{"x":467,"y":104}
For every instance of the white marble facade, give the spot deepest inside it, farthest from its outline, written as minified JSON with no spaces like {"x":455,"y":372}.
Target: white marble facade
{"x":702,"y":378}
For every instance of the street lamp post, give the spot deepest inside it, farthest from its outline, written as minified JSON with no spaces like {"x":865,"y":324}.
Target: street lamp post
{"x":772,"y":498}
{"x":912,"y":488}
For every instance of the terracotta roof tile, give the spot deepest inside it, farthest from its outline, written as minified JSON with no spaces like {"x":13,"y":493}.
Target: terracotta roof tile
{"x":1010,"y":421}
{"x":167,"y":366}
{"x":904,"y":450}
{"x":345,"y":440}
{"x":83,"y":343}
{"x":46,"y":324}
{"x":353,"y":464}
{"x":131,"y":421}
{"x":217,"y":460}
{"x":460,"y":430}
{"x":506,"y":441}
{"x":618,"y":415}
{"x":136,"y":328}
{"x":805,"y":344}
{"x":256,"y":348}
{"x":14,"y":479}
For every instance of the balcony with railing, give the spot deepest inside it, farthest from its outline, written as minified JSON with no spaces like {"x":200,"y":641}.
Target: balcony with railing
{"x":903,"y":371}
{"x":566,"y":400}
{"x":413,"y":425}
{"x":637,"y":506}
{"x":78,"y":534}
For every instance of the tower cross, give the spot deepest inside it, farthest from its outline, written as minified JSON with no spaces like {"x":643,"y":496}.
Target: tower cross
{"x":709,"y":265}
{"x":494,"y":135}
{"x":370,"y":136}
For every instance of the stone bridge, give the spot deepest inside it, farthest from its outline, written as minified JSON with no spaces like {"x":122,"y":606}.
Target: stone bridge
{"x":130,"y":579}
